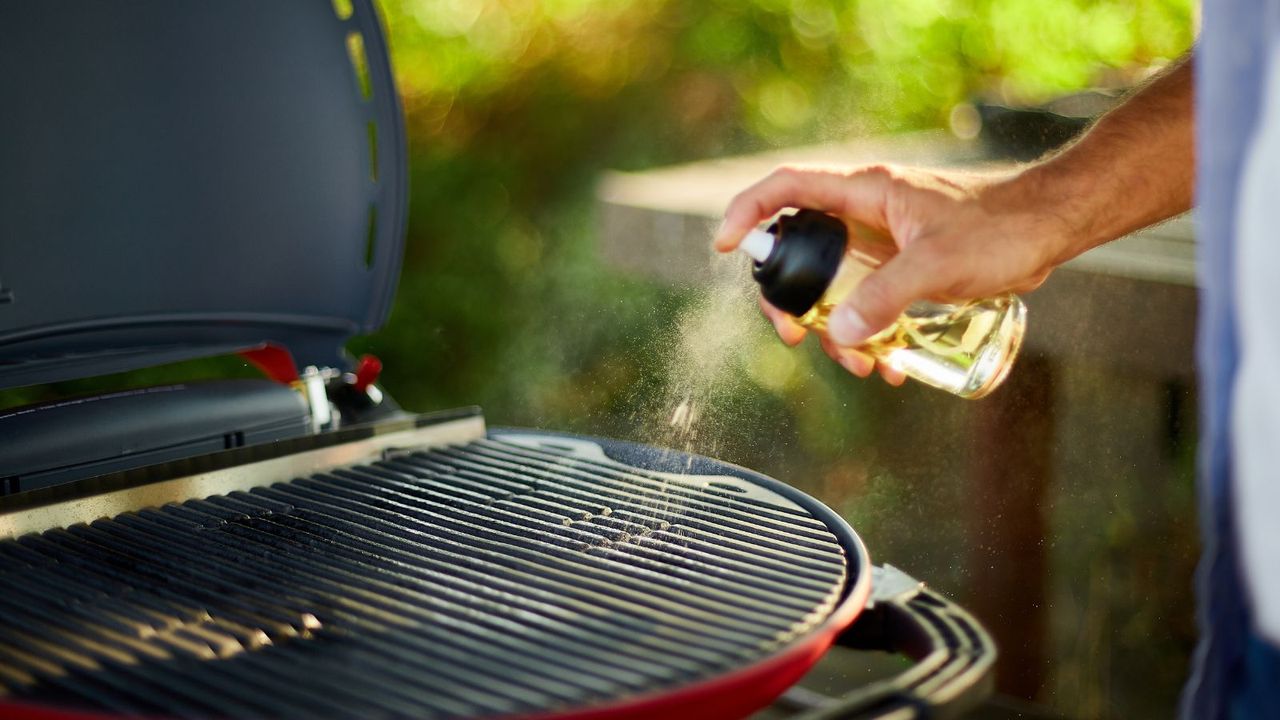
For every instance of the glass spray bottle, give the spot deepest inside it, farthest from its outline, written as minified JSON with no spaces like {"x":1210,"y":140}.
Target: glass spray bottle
{"x":808,"y":262}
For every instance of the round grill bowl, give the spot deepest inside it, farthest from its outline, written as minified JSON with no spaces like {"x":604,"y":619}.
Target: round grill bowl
{"x":638,"y":583}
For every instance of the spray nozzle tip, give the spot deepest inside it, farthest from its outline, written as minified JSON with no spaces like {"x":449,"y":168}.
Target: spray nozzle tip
{"x":758,"y":244}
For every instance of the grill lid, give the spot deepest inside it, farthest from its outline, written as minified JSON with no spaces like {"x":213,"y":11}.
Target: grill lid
{"x":521,"y":574}
{"x":189,"y":179}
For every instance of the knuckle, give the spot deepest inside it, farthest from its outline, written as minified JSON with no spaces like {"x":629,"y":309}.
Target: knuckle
{"x":884,"y":172}
{"x":787,"y":173}
{"x":741,"y":197}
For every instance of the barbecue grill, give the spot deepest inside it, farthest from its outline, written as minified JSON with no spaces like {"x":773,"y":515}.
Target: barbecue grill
{"x":186,"y":180}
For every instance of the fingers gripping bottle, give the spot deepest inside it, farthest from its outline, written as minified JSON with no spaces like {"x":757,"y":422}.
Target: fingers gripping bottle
{"x":807,"y":263}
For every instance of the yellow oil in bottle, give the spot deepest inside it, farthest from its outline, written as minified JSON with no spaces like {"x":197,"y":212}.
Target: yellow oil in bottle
{"x":965,"y":349}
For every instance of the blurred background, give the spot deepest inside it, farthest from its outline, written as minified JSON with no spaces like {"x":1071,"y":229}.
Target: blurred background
{"x":515,"y":109}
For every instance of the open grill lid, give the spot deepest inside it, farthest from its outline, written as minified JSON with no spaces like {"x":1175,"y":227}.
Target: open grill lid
{"x":188,"y":179}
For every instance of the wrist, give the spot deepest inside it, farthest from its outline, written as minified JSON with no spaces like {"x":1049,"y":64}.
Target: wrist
{"x":1133,"y":168}
{"x":1046,"y":202}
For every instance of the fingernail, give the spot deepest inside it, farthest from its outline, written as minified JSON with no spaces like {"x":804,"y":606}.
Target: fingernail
{"x":846,"y":327}
{"x":851,"y":364}
{"x":720,"y":239}
{"x":778,"y":327}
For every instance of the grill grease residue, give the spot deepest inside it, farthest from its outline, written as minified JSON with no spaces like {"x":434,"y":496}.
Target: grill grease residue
{"x":483,"y":579}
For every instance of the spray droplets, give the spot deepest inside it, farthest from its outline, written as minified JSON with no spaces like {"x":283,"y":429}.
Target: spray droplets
{"x":704,"y":354}
{"x":685,"y":417}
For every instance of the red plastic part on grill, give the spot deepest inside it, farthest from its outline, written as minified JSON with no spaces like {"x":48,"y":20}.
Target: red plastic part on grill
{"x":730,"y":696}
{"x":274,"y":361}
{"x":367,"y":371}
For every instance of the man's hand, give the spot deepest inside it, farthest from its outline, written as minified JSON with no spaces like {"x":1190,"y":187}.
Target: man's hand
{"x":963,"y":236}
{"x":959,"y":237}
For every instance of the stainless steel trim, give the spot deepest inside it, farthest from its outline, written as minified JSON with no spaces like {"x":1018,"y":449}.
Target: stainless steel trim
{"x":242,"y":477}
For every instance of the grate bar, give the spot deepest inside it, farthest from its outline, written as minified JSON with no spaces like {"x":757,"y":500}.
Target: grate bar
{"x":544,"y":531}
{"x":201,"y":594}
{"x":753,"y":548}
{"x":737,"y":502}
{"x":623,"y":617}
{"x":724,"y":503}
{"x":659,"y":560}
{"x":603,"y":489}
{"x":550,"y":560}
{"x":237,"y":682}
{"x":396,"y":620}
{"x":270,"y":689}
{"x":386,"y":641}
{"x":516,"y":631}
{"x":488,"y":586}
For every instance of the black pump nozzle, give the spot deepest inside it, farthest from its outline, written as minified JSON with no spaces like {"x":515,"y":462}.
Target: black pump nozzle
{"x":807,"y":251}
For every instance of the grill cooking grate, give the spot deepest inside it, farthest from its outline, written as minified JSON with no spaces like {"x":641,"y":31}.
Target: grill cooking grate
{"x":489,"y":578}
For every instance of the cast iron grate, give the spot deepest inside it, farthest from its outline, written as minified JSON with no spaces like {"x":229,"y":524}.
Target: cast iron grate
{"x":488,"y":578}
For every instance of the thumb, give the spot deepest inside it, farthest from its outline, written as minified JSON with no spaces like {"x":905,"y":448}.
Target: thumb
{"x":882,"y":296}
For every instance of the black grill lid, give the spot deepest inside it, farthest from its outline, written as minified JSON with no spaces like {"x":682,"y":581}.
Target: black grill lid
{"x":187,"y":179}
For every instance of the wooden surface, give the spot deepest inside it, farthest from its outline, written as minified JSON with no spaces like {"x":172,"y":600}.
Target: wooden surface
{"x":1010,"y":474}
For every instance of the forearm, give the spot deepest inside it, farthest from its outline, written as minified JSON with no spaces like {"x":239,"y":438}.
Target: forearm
{"x":1134,"y":167}
{"x":964,"y":236}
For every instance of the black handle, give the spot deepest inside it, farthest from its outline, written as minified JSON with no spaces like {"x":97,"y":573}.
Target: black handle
{"x":954,"y":656}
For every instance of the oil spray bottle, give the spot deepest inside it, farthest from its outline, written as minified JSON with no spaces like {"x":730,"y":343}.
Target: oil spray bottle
{"x":807,"y":263}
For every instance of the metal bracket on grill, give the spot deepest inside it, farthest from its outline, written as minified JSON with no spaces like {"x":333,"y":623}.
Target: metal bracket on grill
{"x":954,"y":656}
{"x":312,"y":387}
